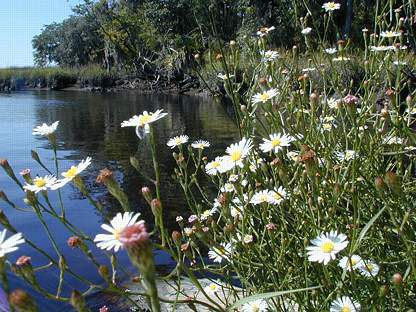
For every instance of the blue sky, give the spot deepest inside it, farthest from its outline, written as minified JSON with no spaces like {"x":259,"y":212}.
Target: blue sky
{"x":20,"y":20}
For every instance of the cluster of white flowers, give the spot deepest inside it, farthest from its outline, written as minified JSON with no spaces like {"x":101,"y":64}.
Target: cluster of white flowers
{"x":273,"y":197}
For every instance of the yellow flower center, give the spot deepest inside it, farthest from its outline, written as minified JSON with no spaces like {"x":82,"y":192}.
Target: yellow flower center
{"x":40,"y":182}
{"x":327,"y":126}
{"x":276,"y":142}
{"x":277,"y":196}
{"x":255,"y":308}
{"x":345,"y":309}
{"x":264,"y":96}
{"x":213,"y":287}
{"x":144,"y":119}
{"x":370,"y":267}
{"x":328,"y":247}
{"x":117,"y":234}
{"x":263,"y":198}
{"x":236,"y":156}
{"x":354,"y":261}
{"x":215,"y":164}
{"x":71,"y":173}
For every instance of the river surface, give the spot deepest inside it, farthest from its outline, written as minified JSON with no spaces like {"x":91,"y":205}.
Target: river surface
{"x":90,"y":126}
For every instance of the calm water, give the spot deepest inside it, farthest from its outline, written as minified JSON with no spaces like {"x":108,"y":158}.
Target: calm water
{"x":90,"y":126}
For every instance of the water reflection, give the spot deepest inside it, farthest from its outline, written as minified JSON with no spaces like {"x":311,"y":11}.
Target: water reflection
{"x":90,"y":126}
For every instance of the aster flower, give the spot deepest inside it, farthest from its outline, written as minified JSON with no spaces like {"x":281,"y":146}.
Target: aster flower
{"x":143,"y":120}
{"x":72,"y":173}
{"x":265,"y":31}
{"x":259,"y":305}
{"x":306,"y":31}
{"x":224,"y":77}
{"x":10,"y":244}
{"x":212,"y":168}
{"x":260,"y":197}
{"x":212,"y":289}
{"x":208,"y":213}
{"x":325,"y":247}
{"x":341,"y":59}
{"x":382,"y":48}
{"x":351,"y":263}
{"x":334,"y":103}
{"x":369,"y":268}
{"x":227,"y":188}
{"x":393,"y":140}
{"x":41,"y":184}
{"x":45,"y":129}
{"x":347,"y":155}
{"x":116,"y":227}
{"x":390,"y":34}
{"x":330,"y":51}
{"x":200,"y":144}
{"x":331,"y":6}
{"x":248,"y":239}
{"x":177,"y":141}
{"x":293,"y":156}
{"x":276,"y":142}
{"x":236,"y":153}
{"x":264,"y":96}
{"x":221,"y":253}
{"x":277,"y":196}
{"x":345,"y":304}
{"x":269,"y":56}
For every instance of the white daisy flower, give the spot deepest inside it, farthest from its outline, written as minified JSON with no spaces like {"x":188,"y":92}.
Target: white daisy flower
{"x":393,"y":140}
{"x":212,"y":168}
{"x":350,"y":264}
{"x":259,"y":305}
{"x":9,"y":245}
{"x":260,"y":197}
{"x":325,"y":247}
{"x":233,"y":178}
{"x":341,"y":59}
{"x":224,"y":77}
{"x":334,"y":103}
{"x":116,"y":227}
{"x":293,"y":156}
{"x":269,"y":56}
{"x":200,"y":144}
{"x":178,"y":140}
{"x":308,"y":69}
{"x":41,"y":184}
{"x":276,"y":142}
{"x":345,"y":304}
{"x":237,"y":212}
{"x":236,"y":153}
{"x":331,"y":6}
{"x":212,"y":289}
{"x":330,"y":51}
{"x":306,"y":31}
{"x":264,"y":96}
{"x":347,"y":155}
{"x":45,"y":129}
{"x":221,"y":253}
{"x":143,"y":120}
{"x":265,"y":30}
{"x":390,"y":34}
{"x":277,"y":196}
{"x":381,"y":48}
{"x":248,"y":239}
{"x":227,"y":188}
{"x":369,"y":268}
{"x":72,"y":173}
{"x":208,"y":213}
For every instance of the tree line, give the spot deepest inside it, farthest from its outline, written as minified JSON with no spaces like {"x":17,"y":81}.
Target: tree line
{"x":142,"y":36}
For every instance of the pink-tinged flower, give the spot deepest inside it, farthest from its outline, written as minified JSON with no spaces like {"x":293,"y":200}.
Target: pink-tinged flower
{"x":134,"y":235}
{"x":25,"y":172}
{"x":350,"y":99}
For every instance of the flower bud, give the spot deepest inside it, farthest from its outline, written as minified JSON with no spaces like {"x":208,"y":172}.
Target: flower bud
{"x":271,"y":227}
{"x":393,"y":181}
{"x":243,"y":108}
{"x":197,"y":56}
{"x":409,"y":100}
{"x":219,"y":57}
{"x":104,"y":309}
{"x":147,"y":193}
{"x":263,"y":81}
{"x":229,"y":228}
{"x":23,"y":261}
{"x":21,"y":301}
{"x":156,"y":206}
{"x":78,"y":301}
{"x":379,"y":183}
{"x":232,"y":43}
{"x":104,"y":272}
{"x":74,"y":242}
{"x":383,"y":291}
{"x":134,"y":162}
{"x":397,"y":279}
{"x":176,"y":237}
{"x":105,"y":176}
